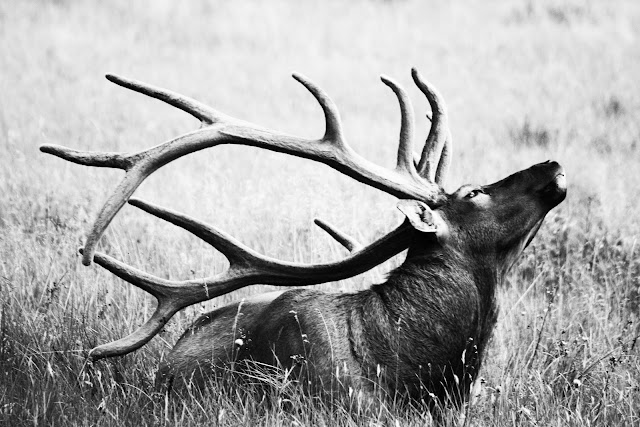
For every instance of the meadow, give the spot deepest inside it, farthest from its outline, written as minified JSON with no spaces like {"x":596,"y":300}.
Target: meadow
{"x":524,"y":81}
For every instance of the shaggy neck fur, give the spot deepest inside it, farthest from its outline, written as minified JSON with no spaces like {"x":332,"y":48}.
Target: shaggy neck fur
{"x":427,"y":326}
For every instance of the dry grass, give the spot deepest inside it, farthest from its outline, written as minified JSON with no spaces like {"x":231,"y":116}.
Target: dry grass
{"x":524,"y":81}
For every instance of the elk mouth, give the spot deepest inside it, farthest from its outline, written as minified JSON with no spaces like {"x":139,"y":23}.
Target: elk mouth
{"x":551,"y":193}
{"x":555,"y":190}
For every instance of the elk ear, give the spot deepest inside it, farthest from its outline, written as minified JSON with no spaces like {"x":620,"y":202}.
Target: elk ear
{"x":422,"y":218}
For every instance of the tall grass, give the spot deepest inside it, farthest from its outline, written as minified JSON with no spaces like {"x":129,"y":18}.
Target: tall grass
{"x":524,"y":81}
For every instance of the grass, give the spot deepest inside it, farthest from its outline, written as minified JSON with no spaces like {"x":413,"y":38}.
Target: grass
{"x":524,"y":81}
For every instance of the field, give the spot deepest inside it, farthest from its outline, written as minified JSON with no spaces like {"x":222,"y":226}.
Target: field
{"x":524,"y":81}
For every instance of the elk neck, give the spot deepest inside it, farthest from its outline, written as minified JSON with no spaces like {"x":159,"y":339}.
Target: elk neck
{"x":430,"y":309}
{"x":456,"y":274}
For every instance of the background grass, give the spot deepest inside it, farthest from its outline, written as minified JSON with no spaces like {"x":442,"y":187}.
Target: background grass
{"x":524,"y":81}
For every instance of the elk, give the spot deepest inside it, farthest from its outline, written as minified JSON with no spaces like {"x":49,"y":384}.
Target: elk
{"x":423,"y":331}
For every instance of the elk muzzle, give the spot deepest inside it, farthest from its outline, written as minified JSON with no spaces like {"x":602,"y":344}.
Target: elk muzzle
{"x":554,"y":190}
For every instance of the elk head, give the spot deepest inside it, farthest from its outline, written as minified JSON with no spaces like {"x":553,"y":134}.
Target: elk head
{"x":495,"y":221}
{"x":459,"y":247}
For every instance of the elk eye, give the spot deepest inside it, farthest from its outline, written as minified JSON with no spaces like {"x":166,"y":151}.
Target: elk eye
{"x":473,"y":193}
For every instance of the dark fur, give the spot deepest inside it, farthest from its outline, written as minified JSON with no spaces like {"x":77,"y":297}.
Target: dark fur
{"x":422,"y":333}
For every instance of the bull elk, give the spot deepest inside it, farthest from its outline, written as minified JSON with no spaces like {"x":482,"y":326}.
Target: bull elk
{"x":424,"y":329}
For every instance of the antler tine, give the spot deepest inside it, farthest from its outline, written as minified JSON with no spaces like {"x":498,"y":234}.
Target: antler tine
{"x":200,"y":111}
{"x":445,"y":161}
{"x":164,"y":311}
{"x":341,"y":237}
{"x":88,"y":158}
{"x":405,"y":148}
{"x":115,"y":202}
{"x":438,"y":134}
{"x":232,"y":249}
{"x":169,"y":303}
{"x":155,"y":286}
{"x":333,"y":125}
{"x":273,"y":271}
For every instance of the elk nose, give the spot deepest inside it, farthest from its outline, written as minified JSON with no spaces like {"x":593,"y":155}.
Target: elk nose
{"x":548,"y":164}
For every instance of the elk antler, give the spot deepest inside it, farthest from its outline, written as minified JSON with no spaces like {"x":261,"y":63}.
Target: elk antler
{"x":331,"y":149}
{"x":436,"y":154}
{"x":247,"y":266}
{"x":344,"y":239}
